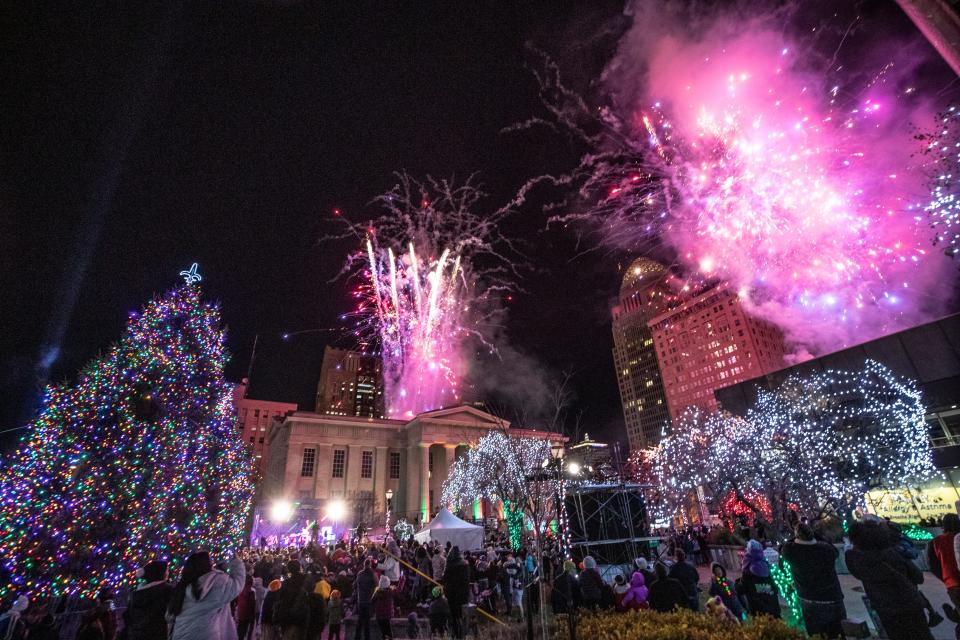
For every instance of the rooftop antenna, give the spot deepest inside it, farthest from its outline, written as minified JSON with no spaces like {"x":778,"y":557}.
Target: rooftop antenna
{"x":253,"y":356}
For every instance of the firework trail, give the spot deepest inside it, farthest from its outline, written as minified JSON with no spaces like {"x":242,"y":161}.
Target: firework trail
{"x":727,"y":145}
{"x":429,"y":274}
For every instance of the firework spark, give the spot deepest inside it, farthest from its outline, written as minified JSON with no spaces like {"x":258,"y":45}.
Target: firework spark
{"x":726,"y":149}
{"x":942,"y":148}
{"x":424,"y":298}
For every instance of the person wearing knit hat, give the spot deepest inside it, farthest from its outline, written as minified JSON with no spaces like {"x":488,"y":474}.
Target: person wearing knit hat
{"x":757,"y":586}
{"x":723,"y":587}
{"x":636,"y":595}
{"x":145,"y":615}
{"x":155,"y":571}
{"x":620,"y":588}
{"x":565,"y":595}
{"x":323,"y":588}
{"x":384,"y":606}
{"x":754,"y":561}
{"x":413,"y":625}
{"x":269,"y":630}
{"x":293,"y":606}
{"x":439,"y":613}
{"x":334,"y":615}
{"x":591,"y":584}
{"x":688,"y":577}
{"x":391,"y":566}
{"x":643,"y":566}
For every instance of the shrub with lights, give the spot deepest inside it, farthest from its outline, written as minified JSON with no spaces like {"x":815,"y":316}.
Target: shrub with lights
{"x":138,"y":460}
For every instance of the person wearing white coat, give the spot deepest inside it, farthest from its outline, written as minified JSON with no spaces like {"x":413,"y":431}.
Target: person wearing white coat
{"x":200,"y":605}
{"x":390,"y":566}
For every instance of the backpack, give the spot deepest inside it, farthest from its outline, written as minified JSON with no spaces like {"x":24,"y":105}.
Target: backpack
{"x":295,"y":611}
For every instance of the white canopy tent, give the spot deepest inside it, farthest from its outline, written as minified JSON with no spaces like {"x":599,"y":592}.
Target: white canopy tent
{"x":446,"y":527}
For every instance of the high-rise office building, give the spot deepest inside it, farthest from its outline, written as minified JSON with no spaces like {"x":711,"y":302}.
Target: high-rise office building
{"x":646,"y":291}
{"x":709,"y":342}
{"x":351,"y":384}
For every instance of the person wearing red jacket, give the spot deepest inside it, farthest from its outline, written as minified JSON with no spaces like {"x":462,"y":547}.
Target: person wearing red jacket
{"x":246,"y":610}
{"x":942,"y":558}
{"x":383,"y":607}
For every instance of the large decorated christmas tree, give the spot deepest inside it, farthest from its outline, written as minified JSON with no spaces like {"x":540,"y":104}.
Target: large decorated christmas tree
{"x":139,"y":460}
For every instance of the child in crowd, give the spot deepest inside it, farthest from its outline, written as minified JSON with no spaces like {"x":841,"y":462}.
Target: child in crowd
{"x":439,"y":613}
{"x":334,"y":615}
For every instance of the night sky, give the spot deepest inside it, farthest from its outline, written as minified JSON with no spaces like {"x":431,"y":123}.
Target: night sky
{"x":138,"y":141}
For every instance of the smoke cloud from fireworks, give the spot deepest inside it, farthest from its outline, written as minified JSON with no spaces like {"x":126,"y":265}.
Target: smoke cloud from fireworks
{"x":754,"y":160}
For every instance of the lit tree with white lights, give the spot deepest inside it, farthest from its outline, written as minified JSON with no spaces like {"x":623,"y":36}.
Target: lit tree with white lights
{"x":817,"y":445}
{"x":499,"y":467}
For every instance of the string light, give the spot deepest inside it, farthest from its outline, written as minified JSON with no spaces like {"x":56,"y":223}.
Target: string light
{"x":139,"y":460}
{"x":500,"y":468}
{"x":783,"y":579}
{"x":942,"y":149}
{"x":403,"y":529}
{"x":916,"y":532}
{"x":818,"y":442}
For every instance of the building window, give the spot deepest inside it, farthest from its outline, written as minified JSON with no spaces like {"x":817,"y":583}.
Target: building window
{"x":260,"y":440}
{"x":394,"y":465}
{"x":309,"y":463}
{"x":339,"y":461}
{"x":252,"y":438}
{"x":366,"y":464}
{"x":256,"y":413}
{"x":430,"y":461}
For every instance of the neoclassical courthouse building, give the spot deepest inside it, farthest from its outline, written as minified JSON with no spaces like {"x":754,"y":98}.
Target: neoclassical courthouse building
{"x":318,"y":458}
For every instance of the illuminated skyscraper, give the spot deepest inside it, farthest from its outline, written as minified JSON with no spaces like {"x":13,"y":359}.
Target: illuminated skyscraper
{"x":351,"y":384}
{"x":709,"y":342}
{"x":644,"y":293}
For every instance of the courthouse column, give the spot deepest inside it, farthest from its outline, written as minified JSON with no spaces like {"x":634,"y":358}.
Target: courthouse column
{"x":411,"y":480}
{"x":424,"y":482}
{"x":380,"y":479}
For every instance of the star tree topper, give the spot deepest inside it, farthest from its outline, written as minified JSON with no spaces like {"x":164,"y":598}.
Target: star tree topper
{"x":191,"y":276}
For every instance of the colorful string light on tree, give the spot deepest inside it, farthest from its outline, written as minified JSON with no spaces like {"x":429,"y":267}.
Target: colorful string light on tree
{"x":138,"y":460}
{"x":783,"y":579}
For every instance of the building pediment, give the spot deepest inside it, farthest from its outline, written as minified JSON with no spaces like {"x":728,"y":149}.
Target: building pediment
{"x":463,"y":415}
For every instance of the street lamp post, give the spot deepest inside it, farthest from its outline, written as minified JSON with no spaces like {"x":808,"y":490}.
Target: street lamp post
{"x":389,"y":496}
{"x":551,"y":469}
{"x":556,"y":465}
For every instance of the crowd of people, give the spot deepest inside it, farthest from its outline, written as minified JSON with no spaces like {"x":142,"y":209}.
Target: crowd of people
{"x":415,"y":590}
